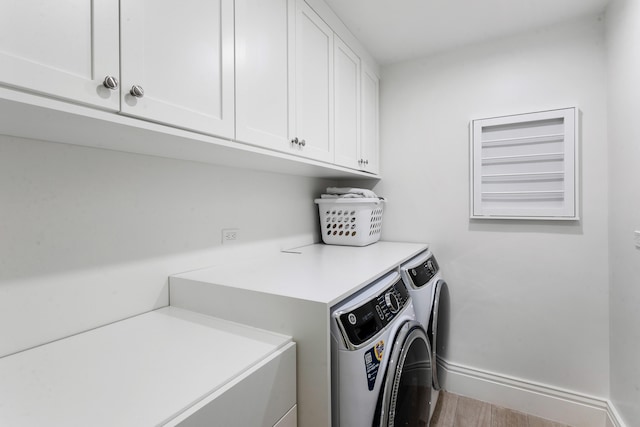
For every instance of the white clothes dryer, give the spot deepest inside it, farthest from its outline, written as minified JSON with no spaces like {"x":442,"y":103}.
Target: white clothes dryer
{"x":427,"y":288}
{"x":380,"y":359}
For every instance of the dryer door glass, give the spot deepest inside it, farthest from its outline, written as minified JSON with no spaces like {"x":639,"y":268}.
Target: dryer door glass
{"x":408,"y":394}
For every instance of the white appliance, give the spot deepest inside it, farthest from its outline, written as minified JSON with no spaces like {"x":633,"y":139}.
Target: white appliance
{"x":380,"y":358}
{"x":428,"y":291}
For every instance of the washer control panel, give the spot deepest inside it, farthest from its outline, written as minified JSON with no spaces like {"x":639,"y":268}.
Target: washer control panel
{"x":359,"y":324}
{"x":422,"y":273}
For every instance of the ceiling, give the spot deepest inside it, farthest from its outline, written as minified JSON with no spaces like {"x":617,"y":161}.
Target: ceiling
{"x":399,"y":30}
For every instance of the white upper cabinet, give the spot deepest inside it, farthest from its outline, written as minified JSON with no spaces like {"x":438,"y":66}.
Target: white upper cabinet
{"x":264,"y":83}
{"x":346,"y":94}
{"x":300,"y":89}
{"x":270,"y":73}
{"x":63,"y":49}
{"x":369,"y":146}
{"x":177,"y":63}
{"x":313,"y":84}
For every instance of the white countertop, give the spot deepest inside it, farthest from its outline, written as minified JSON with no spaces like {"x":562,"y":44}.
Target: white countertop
{"x":142,"y":371}
{"x":319,"y":273}
{"x":291,"y":293}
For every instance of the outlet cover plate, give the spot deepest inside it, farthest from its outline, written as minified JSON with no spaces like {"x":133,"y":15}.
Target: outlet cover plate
{"x":230,"y":235}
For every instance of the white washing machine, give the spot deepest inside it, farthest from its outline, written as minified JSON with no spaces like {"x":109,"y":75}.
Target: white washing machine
{"x":380,"y":359}
{"x":428,"y":289}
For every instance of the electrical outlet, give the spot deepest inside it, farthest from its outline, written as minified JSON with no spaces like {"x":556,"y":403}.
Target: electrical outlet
{"x":230,"y":235}
{"x":636,"y":238}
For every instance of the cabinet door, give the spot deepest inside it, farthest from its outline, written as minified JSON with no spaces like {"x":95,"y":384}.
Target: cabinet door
{"x":263,"y":39}
{"x":63,"y":49}
{"x":314,"y":84}
{"x":346,"y":94}
{"x":369,"y":143}
{"x":180,"y":52}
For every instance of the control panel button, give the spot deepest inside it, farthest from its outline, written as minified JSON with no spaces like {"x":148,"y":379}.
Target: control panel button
{"x":379,"y":311}
{"x":352,"y":318}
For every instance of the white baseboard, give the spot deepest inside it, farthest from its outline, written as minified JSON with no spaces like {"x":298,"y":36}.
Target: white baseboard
{"x":544,"y":401}
{"x":613,"y":418}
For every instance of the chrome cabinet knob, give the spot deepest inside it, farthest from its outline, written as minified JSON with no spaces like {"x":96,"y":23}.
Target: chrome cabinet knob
{"x":110,"y":82}
{"x":136,"y":91}
{"x":298,"y":142}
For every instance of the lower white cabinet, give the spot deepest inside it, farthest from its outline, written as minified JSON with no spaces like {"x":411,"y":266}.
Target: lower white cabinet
{"x":290,"y":419}
{"x":262,"y":397}
{"x":168,"y":367}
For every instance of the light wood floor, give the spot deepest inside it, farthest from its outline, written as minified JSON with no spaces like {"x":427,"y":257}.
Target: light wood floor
{"x":459,"y":411}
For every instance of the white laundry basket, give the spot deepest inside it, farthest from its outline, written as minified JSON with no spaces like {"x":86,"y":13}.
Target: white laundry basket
{"x":350,"y":221}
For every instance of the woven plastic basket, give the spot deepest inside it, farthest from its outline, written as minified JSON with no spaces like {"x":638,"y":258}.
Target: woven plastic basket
{"x":350,"y":221}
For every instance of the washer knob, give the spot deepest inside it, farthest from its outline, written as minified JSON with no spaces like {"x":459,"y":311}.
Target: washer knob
{"x":392,"y":302}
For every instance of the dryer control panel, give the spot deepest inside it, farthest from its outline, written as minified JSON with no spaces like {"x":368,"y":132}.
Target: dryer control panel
{"x":422,"y":273}
{"x":359,"y":324}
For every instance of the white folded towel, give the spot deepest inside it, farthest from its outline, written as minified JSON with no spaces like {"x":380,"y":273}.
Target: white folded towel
{"x":351,"y":192}
{"x":342,"y":196}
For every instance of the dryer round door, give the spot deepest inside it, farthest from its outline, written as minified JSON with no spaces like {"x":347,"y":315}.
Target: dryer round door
{"x":438,"y":322}
{"x":406,"y":397}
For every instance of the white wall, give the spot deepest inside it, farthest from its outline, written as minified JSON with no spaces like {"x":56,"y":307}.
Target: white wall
{"x":623,"y":38}
{"x":89,"y":236}
{"x":529,"y":300}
